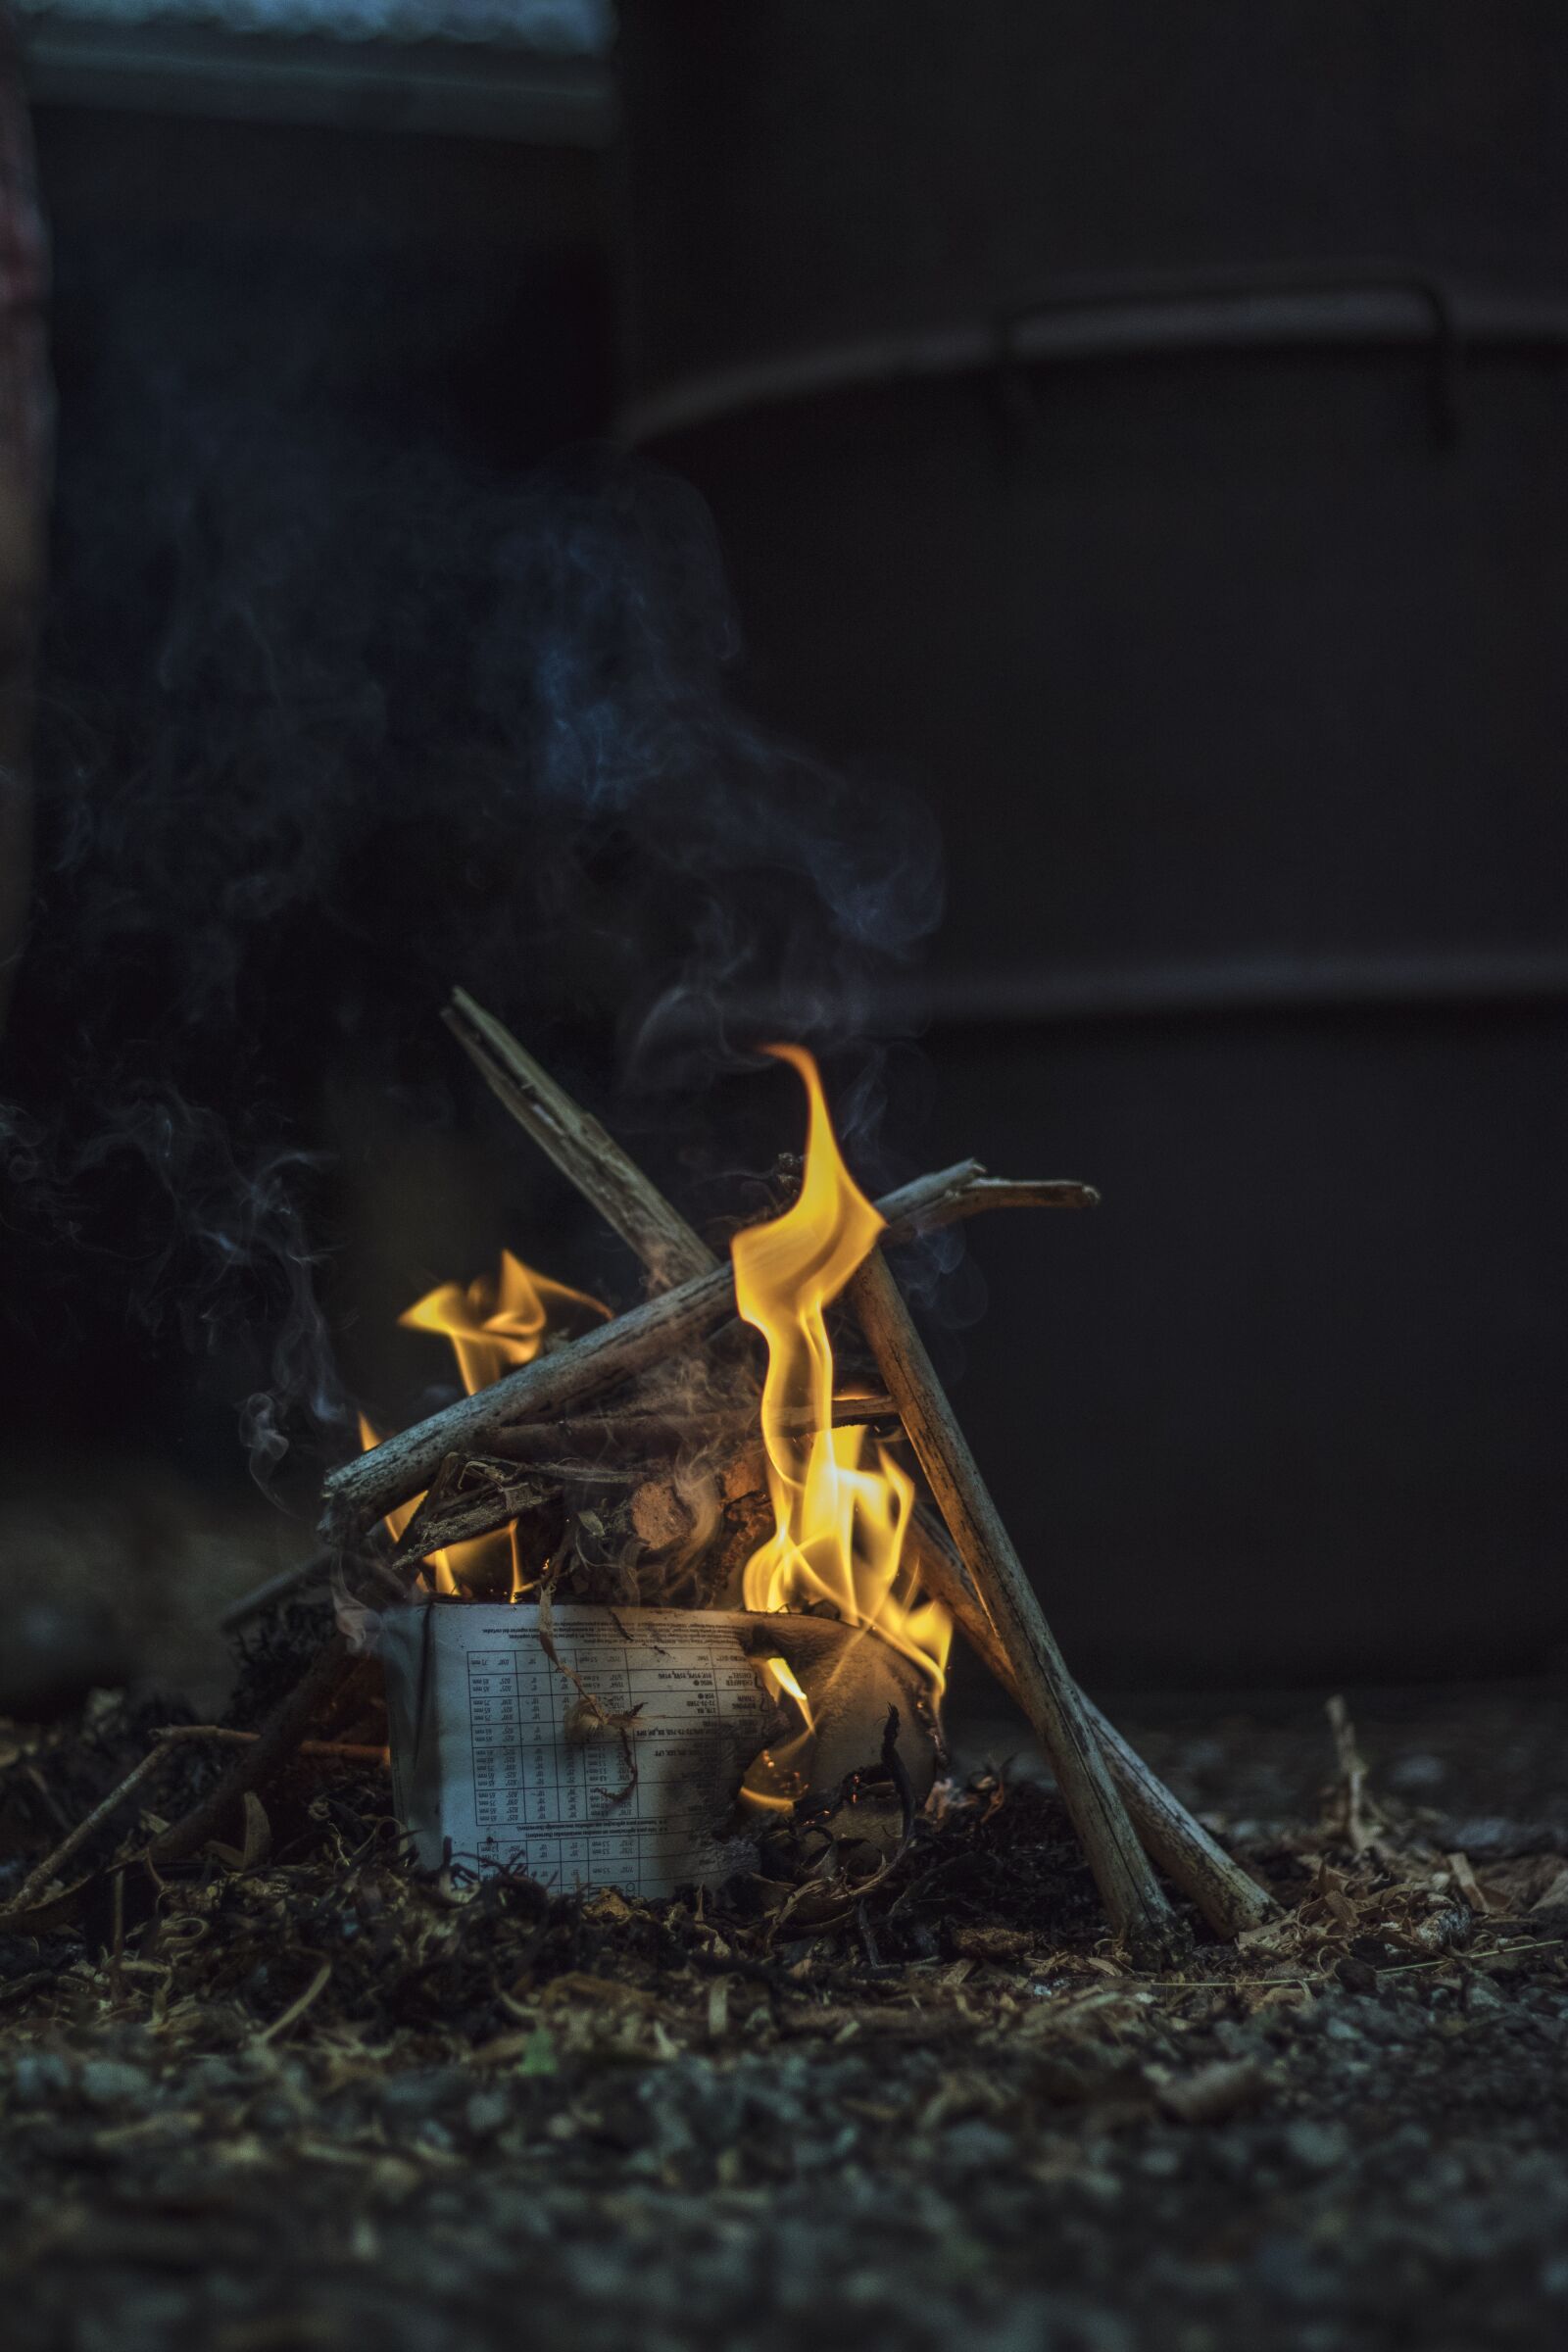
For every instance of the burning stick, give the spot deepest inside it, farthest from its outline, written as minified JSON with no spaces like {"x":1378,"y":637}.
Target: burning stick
{"x":365,"y":1489}
{"x":1128,"y":1887}
{"x":1228,"y":1898}
{"x":645,"y":1431}
{"x":478,"y":1494}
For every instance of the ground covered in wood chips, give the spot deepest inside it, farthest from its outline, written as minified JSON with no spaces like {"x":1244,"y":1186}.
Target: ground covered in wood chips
{"x":300,"y":2095}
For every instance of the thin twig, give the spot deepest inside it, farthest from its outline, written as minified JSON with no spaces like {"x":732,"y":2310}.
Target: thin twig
{"x":275,"y":1744}
{"x":354,"y":1751}
{"x":42,"y":1876}
{"x":1356,"y":1815}
{"x":589,"y":1713}
{"x":286,"y":1583}
{"x":296,"y":2009}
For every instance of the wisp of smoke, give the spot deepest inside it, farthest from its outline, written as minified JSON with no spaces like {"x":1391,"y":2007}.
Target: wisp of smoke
{"x":329,"y":725}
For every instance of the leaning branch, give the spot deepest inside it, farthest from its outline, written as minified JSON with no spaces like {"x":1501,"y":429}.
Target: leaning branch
{"x":584,"y":1152}
{"x":364,"y":1489}
{"x":1132,"y":1894}
{"x":1223,"y":1892}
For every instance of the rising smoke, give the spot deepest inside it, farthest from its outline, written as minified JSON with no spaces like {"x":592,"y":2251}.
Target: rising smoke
{"x":327,"y":726}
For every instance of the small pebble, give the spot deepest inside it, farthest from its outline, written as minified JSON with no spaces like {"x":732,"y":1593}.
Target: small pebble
{"x":39,"y":2077}
{"x":422,"y":2091}
{"x":1411,"y":1774}
{"x":976,"y":2147}
{"x":109,"y":2083}
{"x":1317,"y":2146}
{"x":486,"y":2112}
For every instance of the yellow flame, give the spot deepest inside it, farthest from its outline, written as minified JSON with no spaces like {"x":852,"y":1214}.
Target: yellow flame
{"x":492,"y":1325}
{"x":838,"y":1524}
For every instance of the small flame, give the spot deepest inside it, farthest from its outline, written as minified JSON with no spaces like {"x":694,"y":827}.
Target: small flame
{"x":493,"y":1326}
{"x":840,"y":1525}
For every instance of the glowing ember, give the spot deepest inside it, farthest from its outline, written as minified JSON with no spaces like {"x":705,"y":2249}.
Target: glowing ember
{"x":839,"y":1524}
{"x":493,"y":1326}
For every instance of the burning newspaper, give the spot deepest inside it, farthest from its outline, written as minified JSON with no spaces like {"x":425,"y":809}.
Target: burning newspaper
{"x":608,"y":1753}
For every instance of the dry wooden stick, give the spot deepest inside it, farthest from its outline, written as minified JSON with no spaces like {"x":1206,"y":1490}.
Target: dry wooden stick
{"x":35,"y":1888}
{"x":1134,"y":1902}
{"x":597,"y":1436}
{"x":364,"y":1489}
{"x":286,"y":1583}
{"x":454,"y":1513}
{"x":1223,"y":1892}
{"x":277,"y":1741}
{"x":478,"y":1494}
{"x":356,"y":1752}
{"x":580,"y":1147}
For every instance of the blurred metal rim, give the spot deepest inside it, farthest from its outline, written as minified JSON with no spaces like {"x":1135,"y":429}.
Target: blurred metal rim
{"x":1236,"y":986}
{"x":1329,"y":305}
{"x":463,"y":89}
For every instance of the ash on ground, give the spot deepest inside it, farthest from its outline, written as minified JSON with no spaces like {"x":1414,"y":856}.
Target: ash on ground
{"x":302,"y":2095}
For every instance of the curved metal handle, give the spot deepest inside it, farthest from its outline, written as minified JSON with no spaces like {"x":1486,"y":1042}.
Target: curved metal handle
{"x":1164,"y":294}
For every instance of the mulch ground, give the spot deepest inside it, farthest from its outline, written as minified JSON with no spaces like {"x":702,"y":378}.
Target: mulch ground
{"x":300,"y":2095}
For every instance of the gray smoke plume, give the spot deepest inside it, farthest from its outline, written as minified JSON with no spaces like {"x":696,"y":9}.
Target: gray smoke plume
{"x":327,"y":726}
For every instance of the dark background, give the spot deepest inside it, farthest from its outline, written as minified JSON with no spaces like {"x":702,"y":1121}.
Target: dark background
{"x":1137,"y":442}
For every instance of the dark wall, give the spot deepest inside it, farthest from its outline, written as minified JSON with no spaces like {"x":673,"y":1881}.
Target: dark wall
{"x":1229,"y":666}
{"x":302,"y":374}
{"x":1146,"y":436}
{"x":430,"y":286}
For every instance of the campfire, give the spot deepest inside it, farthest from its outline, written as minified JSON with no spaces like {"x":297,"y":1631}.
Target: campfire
{"x":651,"y":1626}
{"x":700,"y":1608}
{"x":643,"y":1613}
